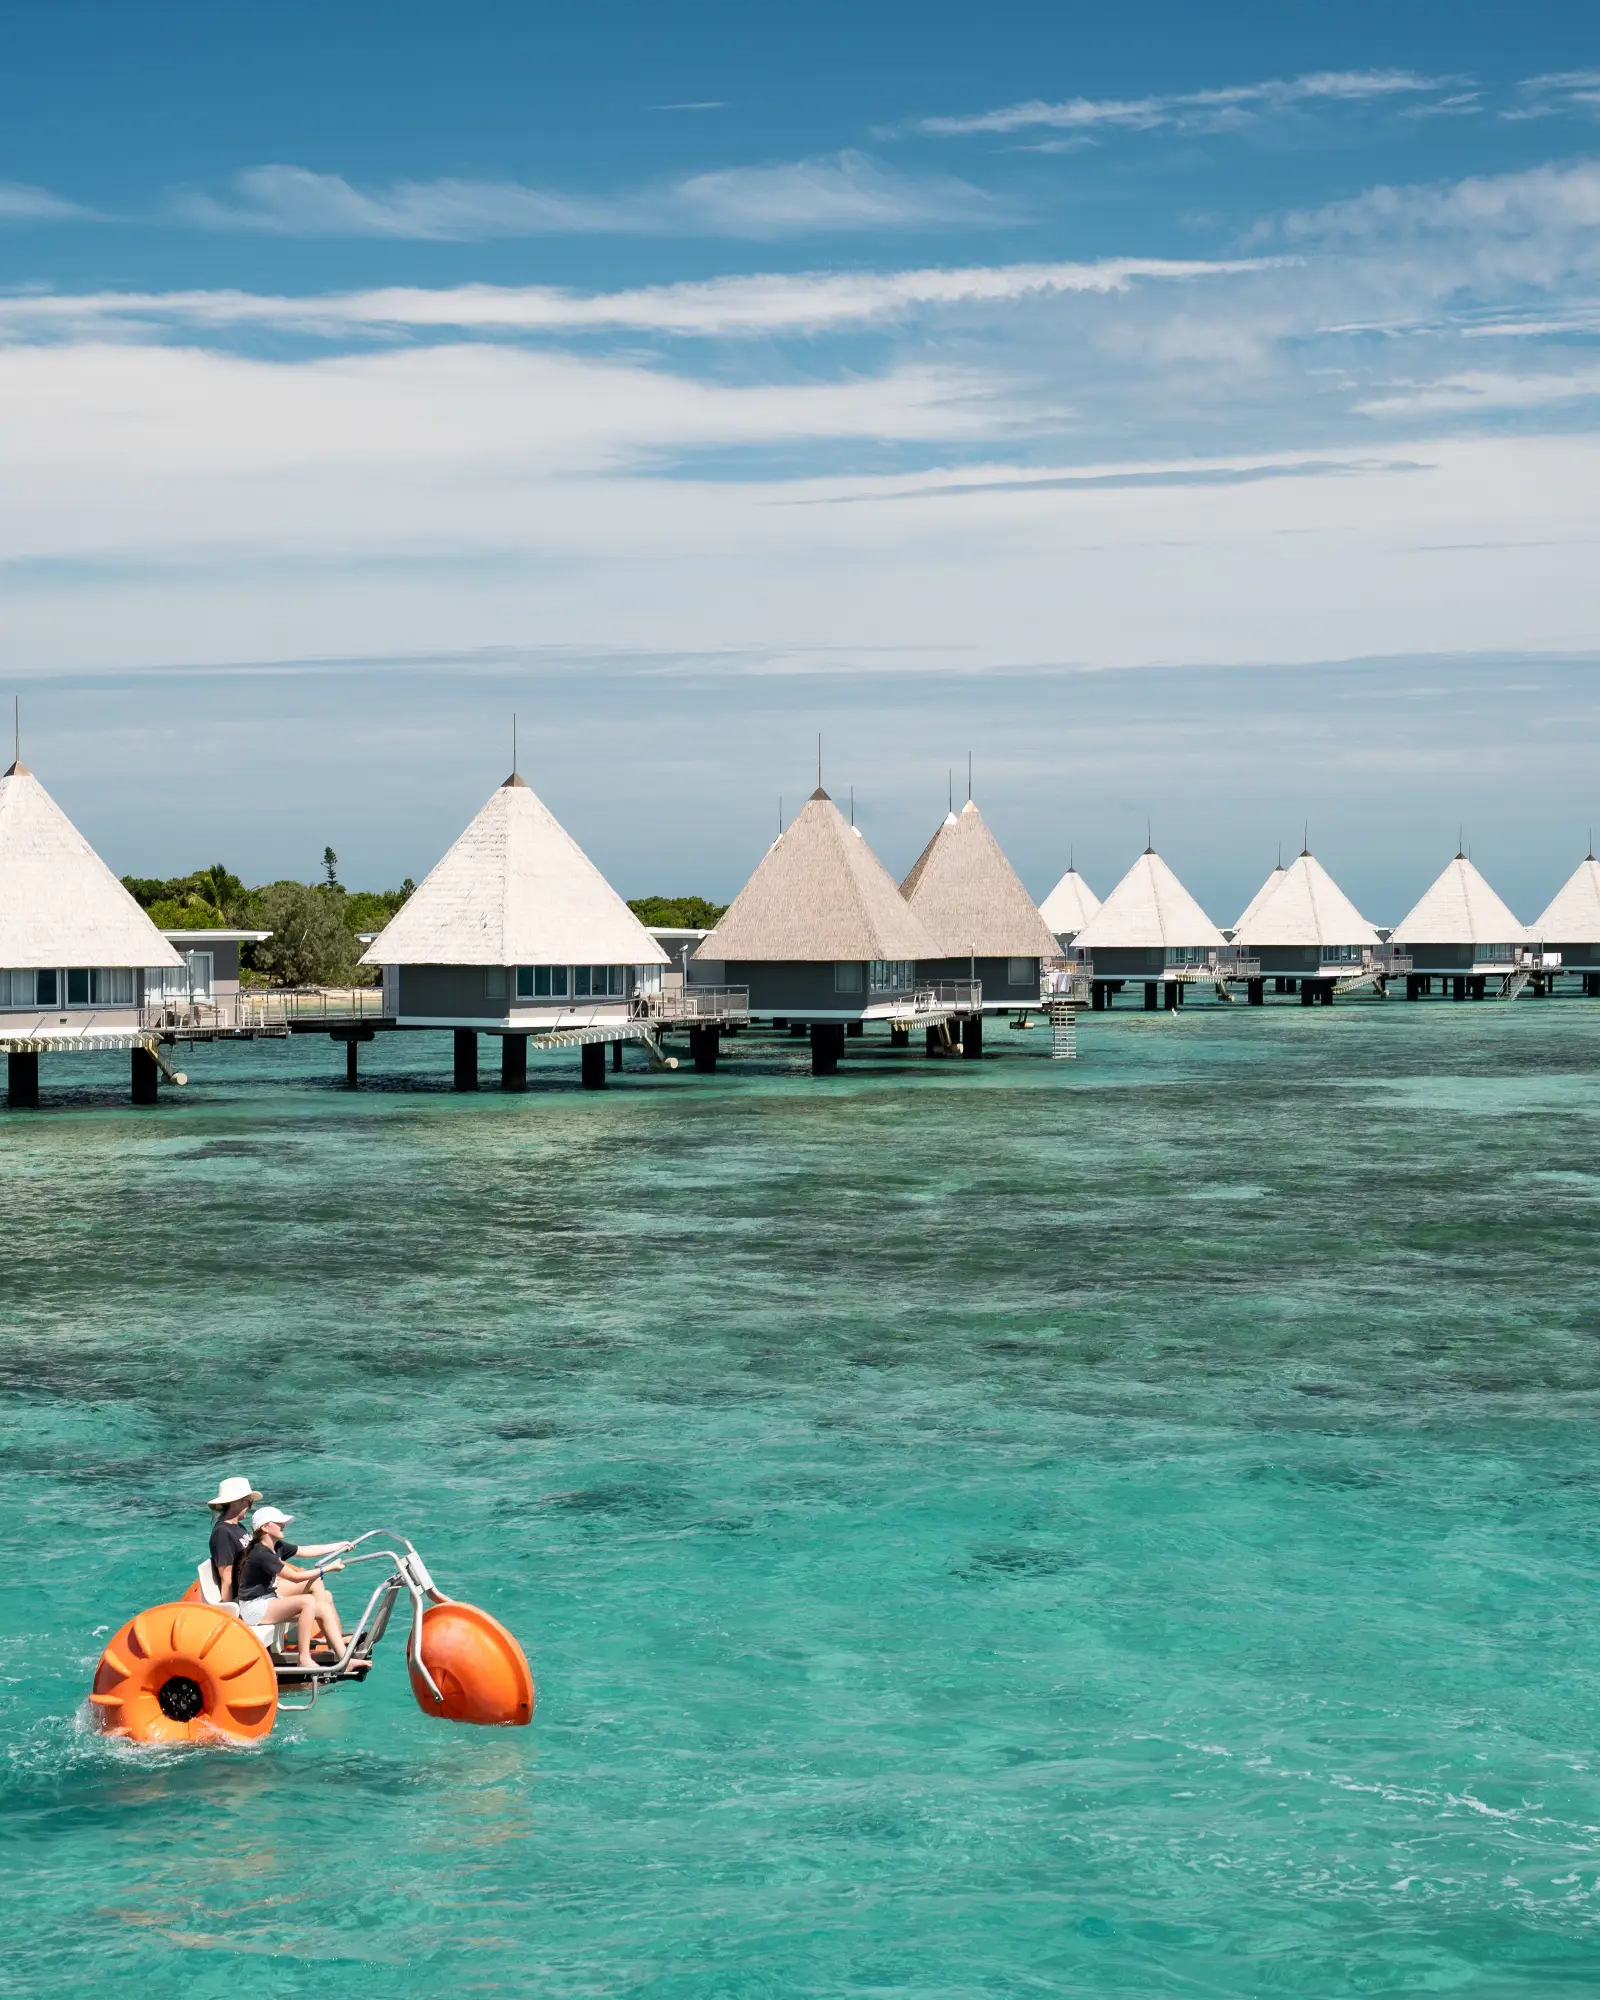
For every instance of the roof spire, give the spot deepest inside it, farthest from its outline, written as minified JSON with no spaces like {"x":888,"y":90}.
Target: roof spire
{"x":950,"y":790}
{"x":969,"y":777}
{"x":1149,"y":836}
{"x":1305,"y":843}
{"x":516,"y":777}
{"x":1461,"y":842}
{"x":1280,"y":857}
{"x":18,"y":768}
{"x":852,"y":805}
{"x":819,"y":793}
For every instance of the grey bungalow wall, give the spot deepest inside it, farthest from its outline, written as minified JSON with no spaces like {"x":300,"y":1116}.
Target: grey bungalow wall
{"x":993,"y":973}
{"x":458,"y":993}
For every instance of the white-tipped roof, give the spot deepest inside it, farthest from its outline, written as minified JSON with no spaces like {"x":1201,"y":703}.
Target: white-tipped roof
{"x":1460,"y":908}
{"x":1148,"y":908}
{"x":60,"y":905}
{"x":819,"y":893}
{"x":1259,"y":899}
{"x":967,"y":893}
{"x":1069,"y":905}
{"x":1303,"y":906}
{"x":1573,"y":916}
{"x":515,"y":889}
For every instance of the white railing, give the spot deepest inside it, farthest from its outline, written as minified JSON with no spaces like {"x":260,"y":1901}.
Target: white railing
{"x":964,"y":995}
{"x":694,"y":1003}
{"x":255,"y":1008}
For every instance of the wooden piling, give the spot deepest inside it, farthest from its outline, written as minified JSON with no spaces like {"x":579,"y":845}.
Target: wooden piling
{"x":22,"y":1080}
{"x":513,"y":1062}
{"x":146,"y":1077}
{"x":593,"y":1065}
{"x":466,"y":1054}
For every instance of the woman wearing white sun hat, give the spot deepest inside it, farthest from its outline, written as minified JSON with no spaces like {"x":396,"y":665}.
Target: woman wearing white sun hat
{"x":229,"y":1535}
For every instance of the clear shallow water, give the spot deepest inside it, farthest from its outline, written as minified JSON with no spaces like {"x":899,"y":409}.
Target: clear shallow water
{"x":1116,"y":1528}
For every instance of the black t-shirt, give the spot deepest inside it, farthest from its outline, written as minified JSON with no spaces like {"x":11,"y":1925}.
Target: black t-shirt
{"x":229,"y":1540}
{"x":259,"y":1570}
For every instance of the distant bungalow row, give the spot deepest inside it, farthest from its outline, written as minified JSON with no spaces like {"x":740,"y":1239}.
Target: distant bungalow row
{"x":515,"y":934}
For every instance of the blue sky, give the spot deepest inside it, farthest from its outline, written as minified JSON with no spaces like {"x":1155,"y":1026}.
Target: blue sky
{"x":617,"y":363}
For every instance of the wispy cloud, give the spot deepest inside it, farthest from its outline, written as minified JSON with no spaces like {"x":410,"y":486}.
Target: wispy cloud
{"x":21,"y":203}
{"x":764,"y":304}
{"x":1486,"y":390}
{"x":1194,"y":110}
{"x":1564,"y":198}
{"x":1561,"y":91}
{"x":845,"y":191}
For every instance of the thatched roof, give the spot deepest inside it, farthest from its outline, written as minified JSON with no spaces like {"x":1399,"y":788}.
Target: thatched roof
{"x":1148,"y":909}
{"x":1460,"y":908}
{"x":1259,"y":899}
{"x":1303,"y":906}
{"x":515,"y":889}
{"x":1574,"y":913}
{"x":1069,"y":905}
{"x":60,"y":905}
{"x":967,"y":893}
{"x":819,"y":893}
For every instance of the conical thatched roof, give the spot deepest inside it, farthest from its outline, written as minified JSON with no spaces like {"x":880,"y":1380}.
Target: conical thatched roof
{"x":1460,"y":908}
{"x":1305,"y":907}
{"x":820,"y":893}
{"x":967,"y":893}
{"x":1069,"y":905}
{"x":1259,"y":900}
{"x":515,"y":889}
{"x":1148,"y":908}
{"x":1574,"y":913}
{"x":60,"y":905}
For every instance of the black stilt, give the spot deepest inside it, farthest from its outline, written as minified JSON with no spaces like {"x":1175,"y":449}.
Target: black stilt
{"x":1255,"y":992}
{"x":513,"y":1062}
{"x":1171,"y":995}
{"x":146,"y":1077}
{"x":705,"y":1045}
{"x":352,"y":1064}
{"x":1152,"y":995}
{"x":972,"y":1037}
{"x":1458,"y":990}
{"x":466,"y":1058}
{"x":798,"y":1031}
{"x":616,"y":1058}
{"x":22,"y":1080}
{"x":1308,"y":994}
{"x":1097,"y":996}
{"x":593,"y":1067}
{"x":827,"y":1046}
{"x":855,"y":1027}
{"x":936,"y":1042}
{"x":899,"y":1038}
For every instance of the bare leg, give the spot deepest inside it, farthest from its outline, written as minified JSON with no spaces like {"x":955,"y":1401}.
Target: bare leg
{"x":304,"y":1610}
{"x":328,"y":1615}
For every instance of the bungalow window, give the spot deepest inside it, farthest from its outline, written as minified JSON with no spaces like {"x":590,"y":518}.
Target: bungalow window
{"x":1341,"y":954}
{"x":112,"y":985}
{"x":78,"y":986}
{"x":1188,"y":954}
{"x":1022,"y":971}
{"x":1500,"y":954}
{"x":595,"y":982}
{"x":27,"y":989}
{"x":847,"y":976}
{"x":494,"y":982}
{"x":546,"y":982}
{"x":892,"y":975}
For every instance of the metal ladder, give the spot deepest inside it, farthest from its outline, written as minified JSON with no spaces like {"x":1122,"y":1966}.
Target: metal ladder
{"x":1515,"y":982}
{"x":1063,"y":1031}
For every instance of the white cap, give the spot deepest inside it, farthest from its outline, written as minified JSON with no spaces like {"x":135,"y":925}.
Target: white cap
{"x":264,"y":1515}
{"x":232,"y":1490}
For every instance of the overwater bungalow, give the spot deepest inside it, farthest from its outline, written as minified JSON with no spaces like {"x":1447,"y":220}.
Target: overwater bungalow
{"x":76,"y":950}
{"x":823,"y":939}
{"x":1068,"y":907}
{"x":1570,"y":925}
{"x":207,"y":979}
{"x":1151,"y":929}
{"x":967,"y":893}
{"x":1306,"y":933}
{"x":1461,"y":934}
{"x":515,"y":933}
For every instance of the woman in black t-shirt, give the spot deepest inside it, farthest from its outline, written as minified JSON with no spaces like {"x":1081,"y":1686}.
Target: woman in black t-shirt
{"x":272,"y":1592}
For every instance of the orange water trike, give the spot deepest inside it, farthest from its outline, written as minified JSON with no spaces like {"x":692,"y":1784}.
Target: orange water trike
{"x":194,"y":1671}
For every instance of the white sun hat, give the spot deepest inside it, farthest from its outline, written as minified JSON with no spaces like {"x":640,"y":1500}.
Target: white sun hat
{"x":232,"y":1490}
{"x":264,"y":1516}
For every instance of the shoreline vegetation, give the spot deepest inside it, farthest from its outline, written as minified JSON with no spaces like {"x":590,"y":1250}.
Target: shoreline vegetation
{"x":317,"y":926}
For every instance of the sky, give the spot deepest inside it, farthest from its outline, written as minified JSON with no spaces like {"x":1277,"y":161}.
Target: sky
{"x":1188,"y":412}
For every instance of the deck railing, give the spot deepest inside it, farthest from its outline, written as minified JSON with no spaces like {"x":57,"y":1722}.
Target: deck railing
{"x":257,"y":1008}
{"x":717,"y":1004}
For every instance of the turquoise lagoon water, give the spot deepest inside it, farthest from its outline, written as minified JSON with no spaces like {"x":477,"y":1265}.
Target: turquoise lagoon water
{"x":1119,"y":1528}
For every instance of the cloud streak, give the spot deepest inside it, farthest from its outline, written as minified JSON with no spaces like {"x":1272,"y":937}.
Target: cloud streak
{"x":762,"y":304}
{"x":21,"y":203}
{"x":1218,"y":110}
{"x":844,"y":191}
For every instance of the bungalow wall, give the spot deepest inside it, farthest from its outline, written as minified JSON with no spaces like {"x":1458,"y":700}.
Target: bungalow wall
{"x":1001,"y":989}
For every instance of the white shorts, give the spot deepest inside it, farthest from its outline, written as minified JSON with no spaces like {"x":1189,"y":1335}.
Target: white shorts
{"x":264,"y":1611}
